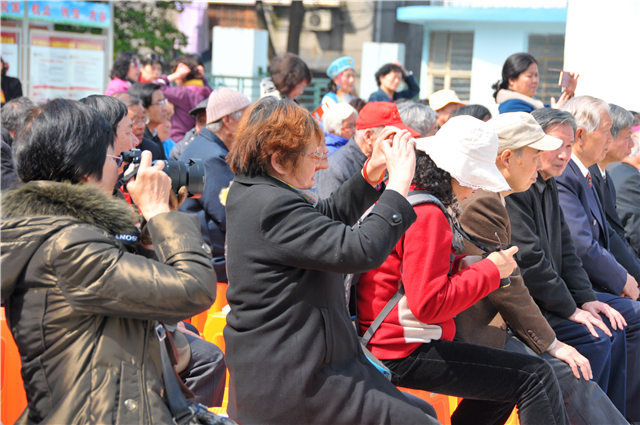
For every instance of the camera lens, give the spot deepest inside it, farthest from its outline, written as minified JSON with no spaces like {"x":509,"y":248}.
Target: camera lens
{"x":190,"y":174}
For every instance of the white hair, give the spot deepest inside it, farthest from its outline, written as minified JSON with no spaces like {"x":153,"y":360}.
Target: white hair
{"x":586,"y":110}
{"x":216,"y":126}
{"x":333,"y":117}
{"x":418,"y":116}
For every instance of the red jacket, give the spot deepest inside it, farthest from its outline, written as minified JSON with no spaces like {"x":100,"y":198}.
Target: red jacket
{"x":432,"y":298}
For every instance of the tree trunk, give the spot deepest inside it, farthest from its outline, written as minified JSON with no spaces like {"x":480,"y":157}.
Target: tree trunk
{"x":296,"y":16}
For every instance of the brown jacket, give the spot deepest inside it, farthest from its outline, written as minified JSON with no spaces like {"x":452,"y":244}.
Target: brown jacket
{"x":484,"y":215}
{"x":82,"y":309}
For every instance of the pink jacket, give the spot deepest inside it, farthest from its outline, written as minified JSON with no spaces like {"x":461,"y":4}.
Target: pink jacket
{"x":116,"y":85}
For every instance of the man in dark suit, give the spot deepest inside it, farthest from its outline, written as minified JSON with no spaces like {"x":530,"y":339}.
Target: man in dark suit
{"x":591,"y":233}
{"x":224,"y":110}
{"x":484,"y":215}
{"x":626,"y":179}
{"x":621,"y":131}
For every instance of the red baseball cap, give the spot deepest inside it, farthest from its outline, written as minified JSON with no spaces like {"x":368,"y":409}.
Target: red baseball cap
{"x":377,"y":114}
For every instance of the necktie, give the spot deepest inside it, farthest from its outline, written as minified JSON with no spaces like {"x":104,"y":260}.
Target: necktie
{"x":589,"y":179}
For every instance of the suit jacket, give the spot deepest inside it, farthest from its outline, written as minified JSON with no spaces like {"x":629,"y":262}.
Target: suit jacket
{"x":152,"y":143}
{"x":547,"y":258}
{"x":589,"y":230}
{"x":626,"y":179}
{"x":483,"y":323}
{"x":607,"y":197}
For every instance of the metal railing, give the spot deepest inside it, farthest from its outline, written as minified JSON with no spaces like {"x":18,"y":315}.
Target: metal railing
{"x":250,"y":86}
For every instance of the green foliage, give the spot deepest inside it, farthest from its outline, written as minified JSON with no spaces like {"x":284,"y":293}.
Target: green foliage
{"x":77,"y":28}
{"x":145,"y":24}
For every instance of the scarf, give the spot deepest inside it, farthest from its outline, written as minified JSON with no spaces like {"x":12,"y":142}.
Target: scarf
{"x":312,"y":195}
{"x":195,"y":82}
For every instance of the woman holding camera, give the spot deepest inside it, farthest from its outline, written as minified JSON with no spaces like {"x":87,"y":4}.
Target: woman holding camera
{"x":426,"y":285}
{"x":80,"y":307}
{"x":292,"y":352}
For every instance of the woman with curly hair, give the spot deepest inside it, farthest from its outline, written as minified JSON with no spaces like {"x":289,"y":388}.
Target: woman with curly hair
{"x":125,"y":71}
{"x":430,"y":285}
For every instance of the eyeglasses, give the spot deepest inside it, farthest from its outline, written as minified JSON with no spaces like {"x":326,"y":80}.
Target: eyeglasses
{"x":117,"y":158}
{"x":141,"y":121}
{"x":317,"y":154}
{"x":162,"y":102}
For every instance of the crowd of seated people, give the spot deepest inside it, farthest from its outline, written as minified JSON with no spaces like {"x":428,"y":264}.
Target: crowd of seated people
{"x":392,"y":244}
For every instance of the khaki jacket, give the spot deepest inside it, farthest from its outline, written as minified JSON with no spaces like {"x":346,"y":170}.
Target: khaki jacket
{"x":82,"y":309}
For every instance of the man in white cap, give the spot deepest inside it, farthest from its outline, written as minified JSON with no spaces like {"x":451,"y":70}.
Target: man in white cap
{"x":510,"y":318}
{"x":444,"y":102}
{"x":224,"y":110}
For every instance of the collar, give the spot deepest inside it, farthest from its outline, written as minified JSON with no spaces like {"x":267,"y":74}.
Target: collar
{"x":603,"y":173}
{"x":584,"y":170}
{"x":541,"y":184}
{"x":213,"y":137}
{"x":506,"y":94}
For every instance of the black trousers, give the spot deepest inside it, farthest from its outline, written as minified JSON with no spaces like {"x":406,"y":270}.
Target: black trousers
{"x":491,"y":381}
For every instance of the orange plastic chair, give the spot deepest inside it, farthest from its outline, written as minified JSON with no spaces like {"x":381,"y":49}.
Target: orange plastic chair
{"x":200,"y":320}
{"x":444,"y":405}
{"x":12,"y":394}
{"x":213,"y":329}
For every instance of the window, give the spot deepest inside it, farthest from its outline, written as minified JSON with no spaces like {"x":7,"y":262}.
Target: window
{"x":450,"y":58}
{"x":549,"y":52}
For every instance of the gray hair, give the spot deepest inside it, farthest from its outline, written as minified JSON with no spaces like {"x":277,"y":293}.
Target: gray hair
{"x":335,"y":115}
{"x":586,"y":110}
{"x":14,"y":111}
{"x":216,"y":126}
{"x":127,"y":99}
{"x":418,"y":116}
{"x":548,"y":117}
{"x":621,"y":119}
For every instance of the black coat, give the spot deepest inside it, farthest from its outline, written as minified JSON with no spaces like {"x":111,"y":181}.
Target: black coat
{"x":9,"y":177}
{"x":292,"y":351}
{"x":626,"y":179}
{"x":547,"y":258}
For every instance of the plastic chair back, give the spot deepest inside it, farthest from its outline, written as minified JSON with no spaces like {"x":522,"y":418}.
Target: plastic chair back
{"x":12,"y":394}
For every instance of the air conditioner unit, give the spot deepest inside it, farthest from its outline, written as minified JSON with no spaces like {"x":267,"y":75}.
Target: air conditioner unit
{"x":317,"y":20}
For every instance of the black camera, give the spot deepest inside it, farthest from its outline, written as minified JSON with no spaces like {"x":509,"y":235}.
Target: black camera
{"x":190,"y":174}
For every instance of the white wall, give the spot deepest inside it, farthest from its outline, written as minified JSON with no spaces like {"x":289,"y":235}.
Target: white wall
{"x":374,"y":55}
{"x":493,"y":43}
{"x":606,"y":58}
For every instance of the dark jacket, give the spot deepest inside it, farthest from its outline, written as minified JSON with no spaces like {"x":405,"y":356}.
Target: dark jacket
{"x":152,"y":143}
{"x":626,"y":179}
{"x":484,"y":215}
{"x":11,"y":87}
{"x":619,"y":246}
{"x":589,"y":230}
{"x":343,"y":164}
{"x":213,"y":219}
{"x":82,"y":309}
{"x":547,"y":258}
{"x":177,"y":150}
{"x":410,"y":92}
{"x":9,"y":177}
{"x":293,"y":353}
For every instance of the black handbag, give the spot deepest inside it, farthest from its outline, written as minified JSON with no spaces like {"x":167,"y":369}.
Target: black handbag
{"x":185,"y":412}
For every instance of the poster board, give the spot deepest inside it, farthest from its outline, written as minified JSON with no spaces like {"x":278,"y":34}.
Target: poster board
{"x":11,"y":51}
{"x":67,"y":65}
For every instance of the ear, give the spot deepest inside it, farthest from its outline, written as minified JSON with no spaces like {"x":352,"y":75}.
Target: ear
{"x":276,"y":164}
{"x":505,"y":157}
{"x":511,"y":81}
{"x":580,"y":136}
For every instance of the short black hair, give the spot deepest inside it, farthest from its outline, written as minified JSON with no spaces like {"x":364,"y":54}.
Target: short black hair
{"x":151,"y":58}
{"x":476,"y":111}
{"x":111,"y":108}
{"x":287,"y":71}
{"x":190,"y":62}
{"x":387,"y":68}
{"x":14,"y":111}
{"x":121,"y":64}
{"x":61,"y":140}
{"x":144,"y":92}
{"x":434,"y":180}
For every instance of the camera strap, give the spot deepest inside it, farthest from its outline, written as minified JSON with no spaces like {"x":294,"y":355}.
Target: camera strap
{"x":126,"y":177}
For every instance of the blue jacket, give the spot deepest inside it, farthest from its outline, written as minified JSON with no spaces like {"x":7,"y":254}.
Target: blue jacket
{"x":515,"y":105}
{"x":412,"y":90}
{"x":334,"y":142}
{"x":589,"y":230}
{"x":213,"y":220}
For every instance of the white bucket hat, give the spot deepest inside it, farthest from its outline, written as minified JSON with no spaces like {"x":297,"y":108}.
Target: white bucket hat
{"x":466,"y":148}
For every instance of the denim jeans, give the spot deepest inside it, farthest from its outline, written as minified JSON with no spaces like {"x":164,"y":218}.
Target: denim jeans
{"x":585,"y":401}
{"x":494,"y":380}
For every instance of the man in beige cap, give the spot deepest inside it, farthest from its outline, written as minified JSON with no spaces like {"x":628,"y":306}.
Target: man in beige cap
{"x":224,"y":110}
{"x":510,"y":318}
{"x":444,"y":102}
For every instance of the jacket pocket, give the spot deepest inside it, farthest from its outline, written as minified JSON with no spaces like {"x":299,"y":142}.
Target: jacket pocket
{"x":130,"y":401}
{"x":328,"y":341}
